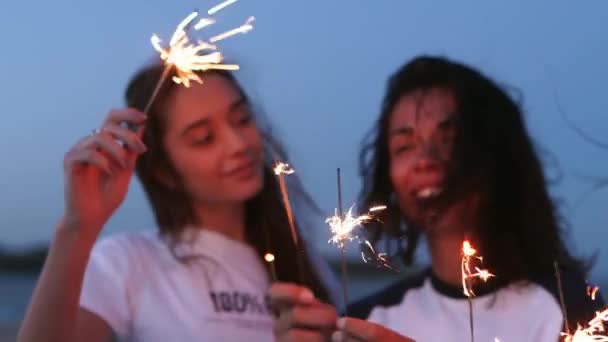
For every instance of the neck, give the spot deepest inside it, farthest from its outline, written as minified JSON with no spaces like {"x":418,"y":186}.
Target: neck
{"x":225,"y":218}
{"x":446,"y":257}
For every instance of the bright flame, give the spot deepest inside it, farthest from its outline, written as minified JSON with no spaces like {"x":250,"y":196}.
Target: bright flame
{"x":595,"y":332}
{"x":283,"y":169}
{"x":269,"y":257}
{"x":187,"y":57}
{"x":342,"y":228}
{"x":470,"y":272}
{"x":592,"y":291}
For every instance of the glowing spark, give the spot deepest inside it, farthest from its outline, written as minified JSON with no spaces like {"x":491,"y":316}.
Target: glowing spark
{"x":468,"y":255}
{"x":342,"y":228}
{"x":220,"y":7}
{"x":246,"y":27}
{"x":592,"y":291}
{"x":595,"y":332}
{"x":188,"y":57}
{"x":377,"y":208}
{"x":269,"y":257}
{"x":283,"y":168}
{"x":378,"y":258}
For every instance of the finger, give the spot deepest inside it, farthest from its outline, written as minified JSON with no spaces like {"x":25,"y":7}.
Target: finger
{"x":368,"y":331}
{"x":89,"y":157}
{"x":104,"y":142}
{"x":357,"y":328}
{"x":340,"y":336}
{"x":288,"y":294}
{"x":130,"y":138}
{"x":321,"y":317}
{"x":129,"y":115}
{"x":301,"y":335}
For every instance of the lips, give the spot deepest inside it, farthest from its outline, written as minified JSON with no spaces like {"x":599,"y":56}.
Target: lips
{"x":243,"y":171}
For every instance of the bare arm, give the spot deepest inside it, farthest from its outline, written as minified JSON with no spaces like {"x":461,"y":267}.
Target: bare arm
{"x":54,"y":307}
{"x":97,"y":172}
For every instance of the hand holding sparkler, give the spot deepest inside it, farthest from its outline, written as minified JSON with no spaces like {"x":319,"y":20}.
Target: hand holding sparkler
{"x":296,"y":307}
{"x":357,"y":330}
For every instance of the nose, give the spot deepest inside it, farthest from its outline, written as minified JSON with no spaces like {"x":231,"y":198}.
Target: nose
{"x":235,"y":142}
{"x":427,"y":158}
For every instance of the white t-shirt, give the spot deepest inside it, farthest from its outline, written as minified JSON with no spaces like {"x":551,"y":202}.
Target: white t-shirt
{"x":144,"y":293}
{"x":428,"y":310}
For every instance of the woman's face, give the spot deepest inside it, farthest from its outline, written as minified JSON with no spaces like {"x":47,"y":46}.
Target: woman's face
{"x":213,"y":142}
{"x":421,"y":136}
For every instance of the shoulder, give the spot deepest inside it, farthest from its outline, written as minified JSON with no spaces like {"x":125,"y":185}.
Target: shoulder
{"x":389,"y":296}
{"x":579,"y":306}
{"x":128,"y":244}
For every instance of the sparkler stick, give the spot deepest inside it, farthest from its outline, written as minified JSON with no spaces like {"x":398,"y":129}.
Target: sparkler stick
{"x":269,"y":258}
{"x":342,"y":246}
{"x":562,"y":302}
{"x":281,"y":169}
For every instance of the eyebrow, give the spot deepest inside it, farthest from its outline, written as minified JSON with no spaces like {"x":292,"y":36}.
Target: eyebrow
{"x":405,"y":130}
{"x":205,"y":121}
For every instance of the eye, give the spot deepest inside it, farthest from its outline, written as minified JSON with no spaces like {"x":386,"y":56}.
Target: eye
{"x":203,"y":140}
{"x":245,"y":119}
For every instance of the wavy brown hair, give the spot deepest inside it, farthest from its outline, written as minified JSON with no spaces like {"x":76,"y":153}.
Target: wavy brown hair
{"x":520,"y":235}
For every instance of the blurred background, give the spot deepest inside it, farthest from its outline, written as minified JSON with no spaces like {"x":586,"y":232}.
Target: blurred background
{"x":318,"y":69}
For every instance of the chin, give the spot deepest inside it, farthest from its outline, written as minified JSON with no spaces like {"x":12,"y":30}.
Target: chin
{"x":247,"y":190}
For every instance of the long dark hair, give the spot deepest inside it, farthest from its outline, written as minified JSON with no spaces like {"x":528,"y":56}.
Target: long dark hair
{"x":519,"y":233}
{"x":267,"y":226}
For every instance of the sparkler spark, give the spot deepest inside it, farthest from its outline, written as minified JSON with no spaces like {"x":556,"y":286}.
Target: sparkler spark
{"x":592,"y":291}
{"x":188,"y":57}
{"x":469,"y":254}
{"x":595,"y":331}
{"x":269,"y":257}
{"x":342,"y":227}
{"x":220,"y":7}
{"x":378,"y":258}
{"x":283,"y":169}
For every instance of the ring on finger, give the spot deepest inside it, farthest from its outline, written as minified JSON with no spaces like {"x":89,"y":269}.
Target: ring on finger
{"x":96,"y":131}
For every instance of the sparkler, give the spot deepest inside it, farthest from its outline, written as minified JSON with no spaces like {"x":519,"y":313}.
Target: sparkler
{"x":592,"y":291}
{"x":469,"y":274}
{"x":281,"y":169}
{"x":186,"y":57}
{"x":269,"y":258}
{"x":341,"y":242}
{"x":342,"y":227}
{"x":595,"y":331}
{"x":560,"y":291}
